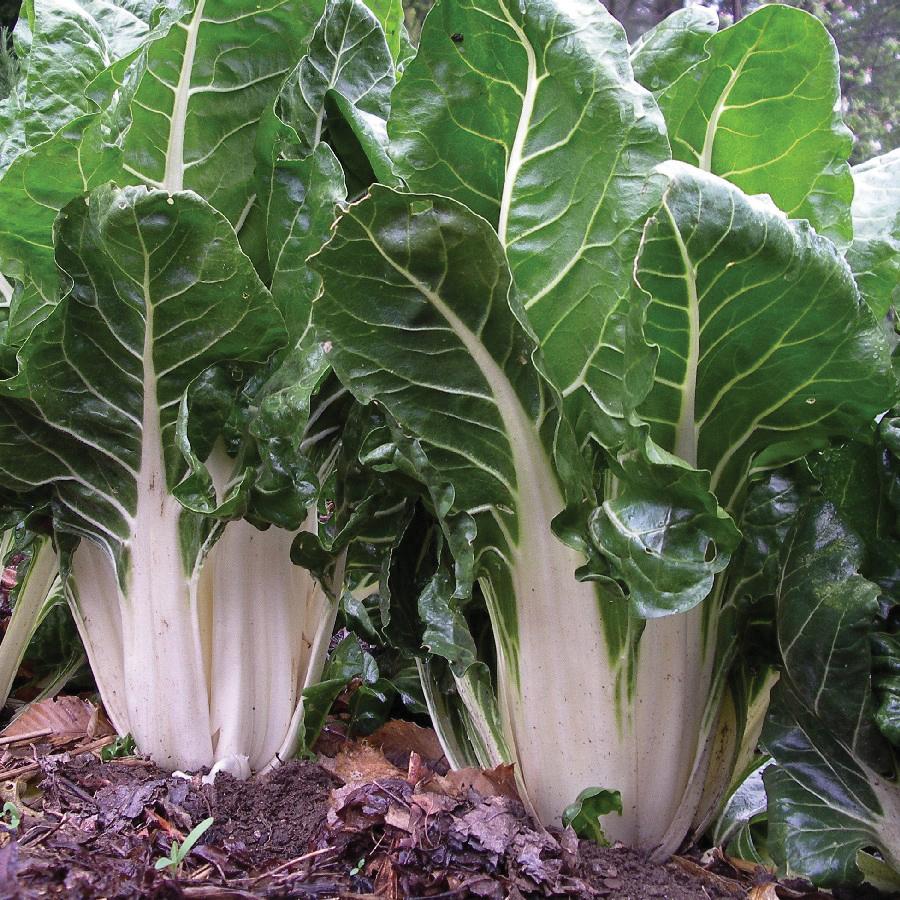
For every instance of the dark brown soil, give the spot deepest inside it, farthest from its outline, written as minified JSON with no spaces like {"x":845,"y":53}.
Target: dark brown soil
{"x":99,"y":828}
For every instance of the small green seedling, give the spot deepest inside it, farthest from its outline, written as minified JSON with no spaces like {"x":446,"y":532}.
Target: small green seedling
{"x":178,"y":852}
{"x":584,"y":814}
{"x":359,"y":866}
{"x":10,"y":817}
{"x":119,"y":748}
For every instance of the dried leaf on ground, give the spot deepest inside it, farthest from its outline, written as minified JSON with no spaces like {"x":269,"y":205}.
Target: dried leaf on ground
{"x":59,"y":721}
{"x":397,"y":739}
{"x":360,"y":764}
{"x":498,"y":782}
{"x":763,"y":892}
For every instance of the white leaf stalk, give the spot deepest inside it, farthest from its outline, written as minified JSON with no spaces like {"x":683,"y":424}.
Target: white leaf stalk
{"x":205,"y":667}
{"x":647,"y":747}
{"x":35,"y":588}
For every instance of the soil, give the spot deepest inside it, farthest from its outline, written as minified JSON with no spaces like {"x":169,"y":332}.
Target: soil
{"x":382,"y":817}
{"x":98,"y":828}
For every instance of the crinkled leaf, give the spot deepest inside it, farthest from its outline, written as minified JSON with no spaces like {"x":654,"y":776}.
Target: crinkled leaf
{"x":764,"y":342}
{"x":72,"y":42}
{"x":301,"y":178}
{"x":529,"y":114}
{"x":348,"y":54}
{"x":664,"y":53}
{"x":664,"y":532}
{"x":37,"y":185}
{"x":584,"y":814}
{"x":160,"y":292}
{"x":886,"y":682}
{"x":762,"y":112}
{"x":874,"y":255}
{"x":826,"y":798}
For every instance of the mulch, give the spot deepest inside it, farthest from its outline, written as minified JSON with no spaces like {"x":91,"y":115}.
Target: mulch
{"x":372,"y":818}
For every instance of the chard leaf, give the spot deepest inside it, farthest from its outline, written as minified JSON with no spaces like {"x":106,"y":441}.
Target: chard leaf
{"x":762,"y":112}
{"x":874,"y":255}
{"x":664,"y":53}
{"x":663,"y":530}
{"x":301,"y":178}
{"x":391,"y":17}
{"x":53,"y":91}
{"x":584,"y":814}
{"x":415,"y":308}
{"x":886,"y":681}
{"x":744,"y":808}
{"x":129,"y":254}
{"x":827,"y":798}
{"x":38,"y":184}
{"x":200,"y":84}
{"x":348,"y":54}
{"x":529,"y":114}
{"x":160,"y":292}
{"x":764,"y":342}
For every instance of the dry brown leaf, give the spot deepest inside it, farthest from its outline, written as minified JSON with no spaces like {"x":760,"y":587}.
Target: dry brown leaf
{"x":499,"y":782}
{"x":431,"y":804}
{"x":398,"y":817}
{"x":399,"y":737}
{"x":763,"y":892}
{"x":61,"y":720}
{"x":360,"y":764}
{"x":728,"y":885}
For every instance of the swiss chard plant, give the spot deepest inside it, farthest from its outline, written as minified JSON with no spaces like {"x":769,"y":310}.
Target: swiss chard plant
{"x":587,"y":352}
{"x":163,"y":401}
{"x":570,"y":379}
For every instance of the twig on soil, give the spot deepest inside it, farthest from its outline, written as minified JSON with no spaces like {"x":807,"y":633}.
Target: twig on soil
{"x":35,"y":767}
{"x":25,"y":737}
{"x":290,"y":863}
{"x":399,"y":800}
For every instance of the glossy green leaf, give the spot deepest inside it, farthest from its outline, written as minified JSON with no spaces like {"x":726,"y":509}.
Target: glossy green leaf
{"x":301,"y":178}
{"x":348,"y":54}
{"x":664,"y":53}
{"x":886,"y":682}
{"x":663,"y":530}
{"x":584,"y":814}
{"x":390,"y":14}
{"x":874,"y":255}
{"x":529,"y":114}
{"x":761,"y":112}
{"x":72,"y":42}
{"x":38,"y":184}
{"x":764,"y":342}
{"x":827,"y":798}
{"x":200,"y":85}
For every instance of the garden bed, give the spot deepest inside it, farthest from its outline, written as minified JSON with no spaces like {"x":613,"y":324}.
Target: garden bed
{"x":382,"y":817}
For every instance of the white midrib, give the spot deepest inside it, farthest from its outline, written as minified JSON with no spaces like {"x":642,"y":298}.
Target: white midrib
{"x":320,"y":114}
{"x":686,"y":430}
{"x":173,"y":180}
{"x":712,"y":126}
{"x":163,"y":657}
{"x":6,"y":289}
{"x":516,"y":154}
